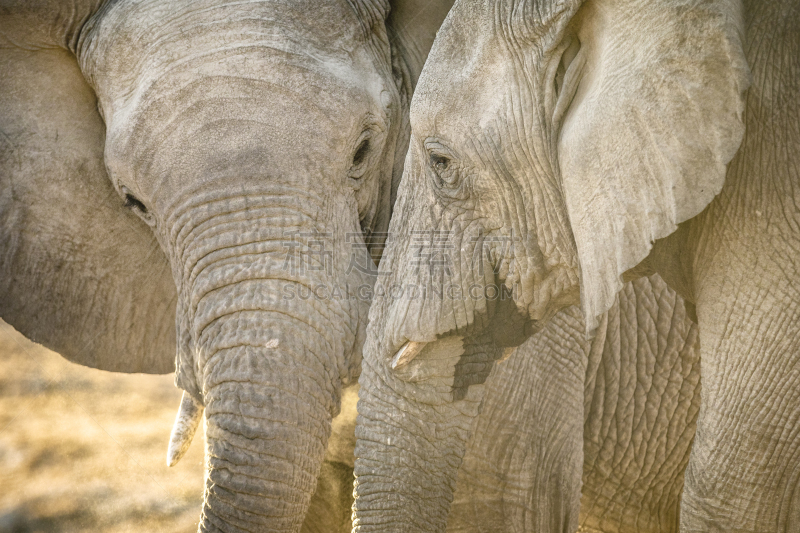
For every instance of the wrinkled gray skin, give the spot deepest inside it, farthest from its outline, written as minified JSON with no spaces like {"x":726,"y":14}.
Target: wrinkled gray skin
{"x":583,"y":132}
{"x":622,"y":406}
{"x":156,"y":159}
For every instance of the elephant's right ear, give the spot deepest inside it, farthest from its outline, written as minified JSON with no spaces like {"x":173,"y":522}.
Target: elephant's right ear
{"x":653,"y":104}
{"x":79,"y":272}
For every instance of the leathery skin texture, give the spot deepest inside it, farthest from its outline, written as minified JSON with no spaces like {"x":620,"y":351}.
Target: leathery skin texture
{"x":590,"y":433}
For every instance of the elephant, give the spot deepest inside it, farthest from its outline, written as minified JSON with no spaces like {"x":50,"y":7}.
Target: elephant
{"x":625,"y":411}
{"x":558,"y":150}
{"x":177,"y":178}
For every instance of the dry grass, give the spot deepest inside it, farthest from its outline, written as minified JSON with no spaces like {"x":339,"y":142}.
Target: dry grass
{"x":84,"y":450}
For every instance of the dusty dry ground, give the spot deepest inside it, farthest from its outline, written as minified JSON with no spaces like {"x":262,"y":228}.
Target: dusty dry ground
{"x":84,"y":450}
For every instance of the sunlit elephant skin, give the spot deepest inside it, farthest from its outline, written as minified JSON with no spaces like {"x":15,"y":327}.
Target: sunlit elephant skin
{"x":168,"y":170}
{"x":622,"y":405}
{"x":583,"y":132}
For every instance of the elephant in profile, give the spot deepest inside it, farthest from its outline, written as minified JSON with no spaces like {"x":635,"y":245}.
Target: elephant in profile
{"x":176,"y":181}
{"x":558,"y":150}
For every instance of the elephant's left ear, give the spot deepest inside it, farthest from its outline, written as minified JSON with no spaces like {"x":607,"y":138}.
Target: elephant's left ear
{"x":655,"y":118}
{"x":79,"y":272}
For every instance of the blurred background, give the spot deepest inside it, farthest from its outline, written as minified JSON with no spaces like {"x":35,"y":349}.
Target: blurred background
{"x":85,"y":450}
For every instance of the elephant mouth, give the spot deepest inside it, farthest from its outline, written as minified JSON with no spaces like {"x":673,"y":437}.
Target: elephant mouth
{"x":410,"y":350}
{"x":461,"y":358}
{"x":502,"y":325}
{"x":453,"y":361}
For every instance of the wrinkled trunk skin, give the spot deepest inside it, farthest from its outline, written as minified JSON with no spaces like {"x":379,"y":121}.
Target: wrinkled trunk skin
{"x":414,"y":422}
{"x":413,"y":426}
{"x":265,"y":443}
{"x":266,"y":357}
{"x":269,"y":405}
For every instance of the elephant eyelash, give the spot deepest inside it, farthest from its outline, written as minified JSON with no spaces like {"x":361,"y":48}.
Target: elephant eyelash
{"x":446,"y":176}
{"x":444,"y":169}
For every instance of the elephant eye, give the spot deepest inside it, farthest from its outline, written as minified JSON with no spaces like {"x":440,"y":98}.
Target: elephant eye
{"x":134,"y":203}
{"x":439,"y":163}
{"x":443,"y":168}
{"x":361,"y":153}
{"x":137,"y":206}
{"x":361,"y":156}
{"x":445,"y":174}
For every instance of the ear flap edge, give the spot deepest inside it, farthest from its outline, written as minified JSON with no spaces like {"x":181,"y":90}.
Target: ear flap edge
{"x":79,"y":273}
{"x":648,"y":137}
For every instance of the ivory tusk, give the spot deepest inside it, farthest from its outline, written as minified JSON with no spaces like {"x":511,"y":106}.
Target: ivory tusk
{"x":507,"y":352}
{"x":406,"y":354}
{"x":189,"y":415}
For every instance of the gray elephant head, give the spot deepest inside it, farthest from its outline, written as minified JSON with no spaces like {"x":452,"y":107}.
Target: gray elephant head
{"x":205,"y":175}
{"x":552,"y":143}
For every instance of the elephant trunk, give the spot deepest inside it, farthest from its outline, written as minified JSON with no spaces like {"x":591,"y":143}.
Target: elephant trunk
{"x":264,"y":354}
{"x":412,"y":433}
{"x":268,"y":419}
{"x":265,"y":444}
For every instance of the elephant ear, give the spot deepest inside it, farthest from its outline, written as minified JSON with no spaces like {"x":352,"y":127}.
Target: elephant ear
{"x":655,"y":118}
{"x":79,"y":272}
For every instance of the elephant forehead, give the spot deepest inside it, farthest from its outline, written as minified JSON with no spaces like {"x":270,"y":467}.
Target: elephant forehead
{"x":485,"y":50}
{"x":263,"y":94}
{"x":465,"y":77}
{"x":176,"y":26}
{"x":291,"y":103}
{"x":131,"y":43}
